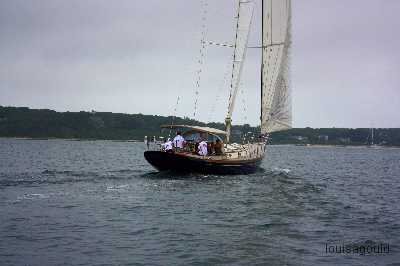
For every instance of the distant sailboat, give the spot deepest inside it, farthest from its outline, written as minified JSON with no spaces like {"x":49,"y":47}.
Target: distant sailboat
{"x":372,"y":136}
{"x":275,"y":100}
{"x":371,"y":139}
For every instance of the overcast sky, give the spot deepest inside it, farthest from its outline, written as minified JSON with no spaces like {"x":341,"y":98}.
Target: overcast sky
{"x":137,"y":56}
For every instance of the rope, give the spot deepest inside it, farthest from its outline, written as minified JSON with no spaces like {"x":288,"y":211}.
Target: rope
{"x":174,"y":115}
{"x":220,"y":44}
{"x":244,"y":103}
{"x":234,"y":55}
{"x":201,"y":55}
{"x":220,"y":87}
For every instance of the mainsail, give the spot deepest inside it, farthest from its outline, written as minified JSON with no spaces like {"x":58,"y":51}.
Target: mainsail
{"x":245,"y":14}
{"x":276,"y":113}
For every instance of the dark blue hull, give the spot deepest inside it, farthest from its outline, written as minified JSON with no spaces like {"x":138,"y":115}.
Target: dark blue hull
{"x":179,"y":162}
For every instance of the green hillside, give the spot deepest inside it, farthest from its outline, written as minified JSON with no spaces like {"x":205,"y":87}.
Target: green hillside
{"x":44,"y":123}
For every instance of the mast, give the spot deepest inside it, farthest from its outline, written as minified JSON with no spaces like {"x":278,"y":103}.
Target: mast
{"x":228,"y":119}
{"x":244,"y":17}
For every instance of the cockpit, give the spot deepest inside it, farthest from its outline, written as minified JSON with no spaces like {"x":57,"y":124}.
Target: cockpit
{"x":195,"y":136}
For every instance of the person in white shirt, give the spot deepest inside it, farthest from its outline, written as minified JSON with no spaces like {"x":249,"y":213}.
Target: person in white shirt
{"x":146,"y":141}
{"x":203,"y":148}
{"x":179,"y":141}
{"x":168,"y":145}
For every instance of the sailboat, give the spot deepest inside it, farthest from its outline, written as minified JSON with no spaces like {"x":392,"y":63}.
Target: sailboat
{"x":275,"y":113}
{"x":370,"y":139}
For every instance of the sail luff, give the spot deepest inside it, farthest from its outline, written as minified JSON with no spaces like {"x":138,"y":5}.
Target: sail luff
{"x":245,"y":14}
{"x":275,"y":102}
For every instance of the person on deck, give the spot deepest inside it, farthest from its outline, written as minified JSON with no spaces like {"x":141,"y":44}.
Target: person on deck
{"x":146,"y":141}
{"x":168,"y":146}
{"x":203,"y":148}
{"x":218,"y":147}
{"x":179,"y":141}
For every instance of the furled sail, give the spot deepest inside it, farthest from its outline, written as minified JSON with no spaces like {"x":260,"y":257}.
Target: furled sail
{"x":245,"y":14}
{"x":276,"y":113}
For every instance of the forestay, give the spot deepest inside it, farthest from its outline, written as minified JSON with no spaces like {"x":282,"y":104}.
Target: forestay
{"x":245,"y":14}
{"x":276,"y":113}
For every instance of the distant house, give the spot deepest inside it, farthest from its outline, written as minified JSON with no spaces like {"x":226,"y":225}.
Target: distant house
{"x":344,"y":140}
{"x":300,"y":138}
{"x":323,"y":137}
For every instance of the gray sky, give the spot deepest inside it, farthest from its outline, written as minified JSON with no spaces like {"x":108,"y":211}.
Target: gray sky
{"x":136,"y":56}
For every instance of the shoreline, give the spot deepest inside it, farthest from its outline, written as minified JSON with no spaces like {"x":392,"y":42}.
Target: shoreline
{"x":73,"y":139}
{"x":282,"y":144}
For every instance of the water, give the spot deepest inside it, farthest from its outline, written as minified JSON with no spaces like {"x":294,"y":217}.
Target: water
{"x":100,"y":203}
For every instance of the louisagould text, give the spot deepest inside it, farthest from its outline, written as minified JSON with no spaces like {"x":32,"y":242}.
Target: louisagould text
{"x":361,"y":249}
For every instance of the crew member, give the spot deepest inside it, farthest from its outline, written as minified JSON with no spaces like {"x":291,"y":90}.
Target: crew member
{"x":218,"y":147}
{"x":168,"y":146}
{"x":179,"y":141}
{"x":203,"y":148}
{"x":146,"y":141}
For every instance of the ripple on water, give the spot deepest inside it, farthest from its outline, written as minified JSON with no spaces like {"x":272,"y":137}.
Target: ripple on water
{"x":101,"y":203}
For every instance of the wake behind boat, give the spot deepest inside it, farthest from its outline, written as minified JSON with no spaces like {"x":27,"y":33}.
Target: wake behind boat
{"x":199,"y":153}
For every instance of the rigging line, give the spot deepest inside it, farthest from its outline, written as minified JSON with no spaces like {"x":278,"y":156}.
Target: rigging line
{"x":178,"y":100}
{"x":244,"y":103}
{"x":201,"y":55}
{"x":234,"y":56}
{"x":266,"y":46}
{"x":220,"y":87}
{"x":174,"y":115}
{"x":219,"y":44}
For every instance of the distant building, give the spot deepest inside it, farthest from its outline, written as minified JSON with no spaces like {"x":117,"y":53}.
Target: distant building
{"x":300,"y":138}
{"x":344,"y":140}
{"x":323,"y":137}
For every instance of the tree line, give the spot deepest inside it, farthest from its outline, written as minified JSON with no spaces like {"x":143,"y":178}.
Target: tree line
{"x":43,"y":123}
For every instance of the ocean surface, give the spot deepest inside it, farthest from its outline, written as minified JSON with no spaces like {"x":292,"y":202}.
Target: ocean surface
{"x":100,"y":203}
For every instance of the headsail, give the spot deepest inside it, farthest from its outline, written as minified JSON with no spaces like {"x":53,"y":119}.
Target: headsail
{"x":276,"y":113}
{"x":245,"y":14}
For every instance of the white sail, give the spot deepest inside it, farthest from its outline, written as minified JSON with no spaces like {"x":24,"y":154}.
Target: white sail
{"x":276,"y":113}
{"x":245,"y":14}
